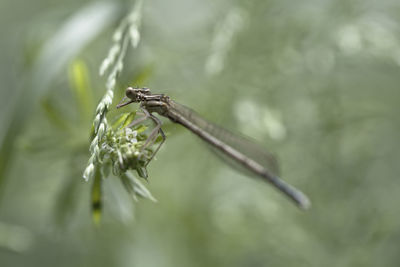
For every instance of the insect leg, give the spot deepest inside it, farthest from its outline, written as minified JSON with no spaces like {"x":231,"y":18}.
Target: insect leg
{"x":155,"y":119}
{"x":141,"y":119}
{"x":153,"y":135}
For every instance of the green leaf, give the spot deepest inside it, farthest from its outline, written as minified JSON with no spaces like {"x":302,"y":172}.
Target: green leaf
{"x":136,"y":187}
{"x":129,"y":119}
{"x":80,"y":86}
{"x":96,"y":197}
{"x":142,"y":172}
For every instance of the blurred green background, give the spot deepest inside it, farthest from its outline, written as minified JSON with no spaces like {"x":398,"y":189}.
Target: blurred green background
{"x":316,"y":82}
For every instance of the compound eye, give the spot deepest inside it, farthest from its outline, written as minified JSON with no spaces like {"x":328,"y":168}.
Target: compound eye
{"x":130,"y":93}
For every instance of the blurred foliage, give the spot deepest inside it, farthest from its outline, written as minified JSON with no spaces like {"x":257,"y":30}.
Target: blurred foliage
{"x":316,"y":82}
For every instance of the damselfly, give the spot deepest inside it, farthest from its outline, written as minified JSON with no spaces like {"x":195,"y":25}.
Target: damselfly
{"x":238,"y":149}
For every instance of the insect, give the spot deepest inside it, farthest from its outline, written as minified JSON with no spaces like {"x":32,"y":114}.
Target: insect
{"x":239,"y":150}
